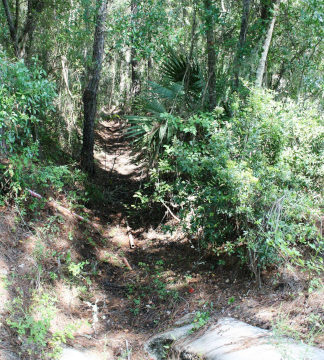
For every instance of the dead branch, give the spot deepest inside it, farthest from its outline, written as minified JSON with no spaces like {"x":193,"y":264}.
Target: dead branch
{"x":125,"y":261}
{"x":170,"y":212}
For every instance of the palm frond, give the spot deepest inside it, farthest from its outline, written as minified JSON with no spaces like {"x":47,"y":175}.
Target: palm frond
{"x":155,"y":107}
{"x":170,"y":91}
{"x":178,"y":69}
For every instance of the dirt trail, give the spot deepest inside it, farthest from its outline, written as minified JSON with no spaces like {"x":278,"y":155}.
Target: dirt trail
{"x":170,"y":277}
{"x":113,"y":152}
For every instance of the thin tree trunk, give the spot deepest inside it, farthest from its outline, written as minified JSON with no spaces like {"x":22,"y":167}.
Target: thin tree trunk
{"x":241,"y":43}
{"x":113,"y":82}
{"x":3,"y":144}
{"x":136,"y":84}
{"x":149,"y":62}
{"x":211,"y":56}
{"x":149,"y":67}
{"x":34,"y":7}
{"x":17,"y":15}
{"x":284,"y":65}
{"x":265,"y":7}
{"x":187,"y":75}
{"x":90,"y":93}
{"x":12,"y":29}
{"x":193,"y":31}
{"x":266,"y":46}
{"x":223,"y":6}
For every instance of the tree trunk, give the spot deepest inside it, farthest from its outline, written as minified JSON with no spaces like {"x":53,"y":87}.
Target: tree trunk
{"x":22,"y":43}
{"x":211,"y":56}
{"x":17,"y":10}
{"x":149,"y":68}
{"x":241,"y":43}
{"x":34,"y":8}
{"x":12,"y":29}
{"x":136,"y":84}
{"x":266,"y":46}
{"x":3,"y":144}
{"x":90,"y":93}
{"x":187,"y":75}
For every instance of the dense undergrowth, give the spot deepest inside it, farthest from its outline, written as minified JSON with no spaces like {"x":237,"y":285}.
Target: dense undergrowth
{"x":249,"y":185}
{"x":30,"y":154}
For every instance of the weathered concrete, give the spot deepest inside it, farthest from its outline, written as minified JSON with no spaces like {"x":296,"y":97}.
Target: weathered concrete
{"x":74,"y":354}
{"x":8,"y":355}
{"x":230,"y":339}
{"x":156,"y":345}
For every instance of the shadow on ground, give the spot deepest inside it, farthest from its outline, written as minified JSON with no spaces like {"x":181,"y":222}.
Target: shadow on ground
{"x":82,"y":265}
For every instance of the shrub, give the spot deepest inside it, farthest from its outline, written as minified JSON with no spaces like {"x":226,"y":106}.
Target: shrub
{"x":26,"y":97}
{"x":250,"y":185}
{"x":32,"y":325}
{"x":26,"y":100}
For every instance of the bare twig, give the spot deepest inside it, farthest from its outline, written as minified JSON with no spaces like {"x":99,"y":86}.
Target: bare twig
{"x":59,"y":207}
{"x":170,"y":212}
{"x":94,"y":308}
{"x":127,"y":351}
{"x":34,"y":194}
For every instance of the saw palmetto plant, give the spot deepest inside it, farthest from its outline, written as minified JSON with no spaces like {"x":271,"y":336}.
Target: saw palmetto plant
{"x":182,"y":83}
{"x":150,"y":132}
{"x":179,"y":69}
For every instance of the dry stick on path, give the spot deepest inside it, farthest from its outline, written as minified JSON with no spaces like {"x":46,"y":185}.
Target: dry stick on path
{"x":125,"y":261}
{"x":61,"y":208}
{"x":130,"y":236}
{"x":64,"y":210}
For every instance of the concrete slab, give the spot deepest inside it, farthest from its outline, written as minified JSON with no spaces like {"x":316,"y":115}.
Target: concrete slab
{"x":230,"y":339}
{"x":69,"y":353}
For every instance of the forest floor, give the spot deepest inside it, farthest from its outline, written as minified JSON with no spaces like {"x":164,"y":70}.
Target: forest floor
{"x":118,"y":297}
